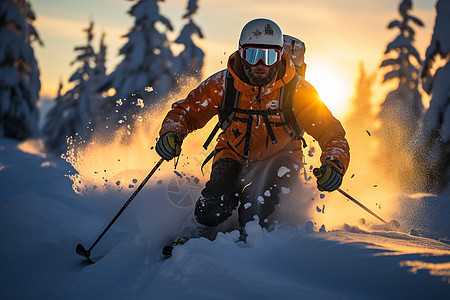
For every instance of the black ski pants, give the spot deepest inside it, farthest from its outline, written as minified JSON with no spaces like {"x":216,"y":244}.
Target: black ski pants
{"x":254,"y":188}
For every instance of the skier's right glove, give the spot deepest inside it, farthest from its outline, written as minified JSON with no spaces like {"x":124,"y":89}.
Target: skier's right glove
{"x":169,"y":145}
{"x":330,"y":178}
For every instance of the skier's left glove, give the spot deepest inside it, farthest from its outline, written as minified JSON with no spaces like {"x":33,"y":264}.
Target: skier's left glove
{"x":169,"y":145}
{"x":331,"y":177}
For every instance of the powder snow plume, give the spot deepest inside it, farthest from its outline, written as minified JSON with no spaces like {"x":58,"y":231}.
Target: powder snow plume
{"x":364,"y":180}
{"x":104,"y":164}
{"x":109,"y":171}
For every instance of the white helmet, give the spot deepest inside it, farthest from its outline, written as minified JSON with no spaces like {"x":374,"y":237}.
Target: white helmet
{"x":261,"y":32}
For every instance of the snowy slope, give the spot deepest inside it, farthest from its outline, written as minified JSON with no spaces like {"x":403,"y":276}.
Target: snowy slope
{"x":42,"y":219}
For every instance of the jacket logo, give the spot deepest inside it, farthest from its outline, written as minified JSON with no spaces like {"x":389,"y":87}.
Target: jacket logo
{"x":236,"y":132}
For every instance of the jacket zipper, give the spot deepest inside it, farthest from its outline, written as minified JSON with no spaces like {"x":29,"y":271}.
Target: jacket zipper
{"x":258,"y":99}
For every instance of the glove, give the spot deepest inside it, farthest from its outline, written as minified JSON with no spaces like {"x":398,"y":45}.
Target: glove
{"x":169,"y":145}
{"x":330,"y":179}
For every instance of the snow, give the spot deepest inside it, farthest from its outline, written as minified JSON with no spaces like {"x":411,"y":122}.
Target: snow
{"x":42,"y":219}
{"x":282,"y":171}
{"x":260,"y":199}
{"x":285,"y":190}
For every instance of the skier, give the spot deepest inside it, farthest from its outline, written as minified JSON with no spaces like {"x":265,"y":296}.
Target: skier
{"x":264,"y":106}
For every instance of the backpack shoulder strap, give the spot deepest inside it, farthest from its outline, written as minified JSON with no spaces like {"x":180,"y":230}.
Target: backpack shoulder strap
{"x":229,"y":103}
{"x":287,"y":94}
{"x":227,"y":110}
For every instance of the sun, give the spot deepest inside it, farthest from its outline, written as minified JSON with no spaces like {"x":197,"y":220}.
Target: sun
{"x":332,"y":83}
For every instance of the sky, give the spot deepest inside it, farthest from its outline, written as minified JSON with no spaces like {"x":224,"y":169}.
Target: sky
{"x":338,"y":35}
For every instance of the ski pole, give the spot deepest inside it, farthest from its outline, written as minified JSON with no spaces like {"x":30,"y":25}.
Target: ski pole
{"x":393,"y":223}
{"x":361,"y":205}
{"x":87,"y":253}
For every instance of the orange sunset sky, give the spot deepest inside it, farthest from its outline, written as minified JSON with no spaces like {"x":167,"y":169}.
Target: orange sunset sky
{"x":338,"y":35}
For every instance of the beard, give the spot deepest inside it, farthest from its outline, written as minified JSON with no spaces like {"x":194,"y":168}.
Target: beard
{"x":259,"y":81}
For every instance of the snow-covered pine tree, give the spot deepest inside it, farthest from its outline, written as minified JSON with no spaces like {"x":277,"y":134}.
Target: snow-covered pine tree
{"x":401,"y":111}
{"x":73,"y":112}
{"x":144,"y":75}
{"x":189,"y":63}
{"x":433,"y":141}
{"x":59,"y":124}
{"x":84,"y":90}
{"x":98,"y":78}
{"x":19,"y":72}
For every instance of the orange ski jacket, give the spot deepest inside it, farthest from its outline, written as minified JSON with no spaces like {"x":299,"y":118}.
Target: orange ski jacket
{"x":246,"y":138}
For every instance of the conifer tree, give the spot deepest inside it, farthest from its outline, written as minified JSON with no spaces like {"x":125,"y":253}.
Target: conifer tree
{"x":432,"y":146}
{"x":19,"y":72}
{"x":189,"y":62}
{"x":98,"y":78}
{"x":99,"y":70}
{"x":73,"y":112}
{"x":57,"y":126}
{"x":144,"y":75}
{"x":401,"y":111}
{"x":83,"y":92}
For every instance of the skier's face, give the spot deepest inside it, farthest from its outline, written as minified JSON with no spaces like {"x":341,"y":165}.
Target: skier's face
{"x":260,"y":71}
{"x":260,"y":74}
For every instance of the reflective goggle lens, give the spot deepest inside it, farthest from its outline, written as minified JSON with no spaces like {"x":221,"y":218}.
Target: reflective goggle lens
{"x":269,"y":56}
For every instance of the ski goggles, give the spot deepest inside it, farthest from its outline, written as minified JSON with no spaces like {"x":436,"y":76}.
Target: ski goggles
{"x":268,"y":56}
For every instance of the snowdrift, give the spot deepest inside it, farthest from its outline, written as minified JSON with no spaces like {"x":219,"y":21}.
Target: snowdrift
{"x":42,"y":219}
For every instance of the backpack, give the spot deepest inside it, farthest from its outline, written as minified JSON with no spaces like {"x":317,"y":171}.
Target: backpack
{"x":230,"y":105}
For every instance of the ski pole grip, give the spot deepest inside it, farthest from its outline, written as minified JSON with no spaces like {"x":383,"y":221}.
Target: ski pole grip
{"x":317,"y":172}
